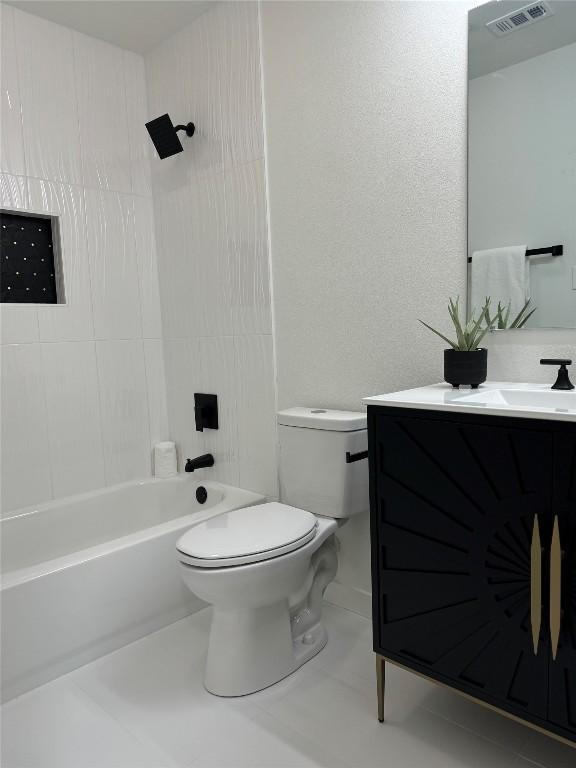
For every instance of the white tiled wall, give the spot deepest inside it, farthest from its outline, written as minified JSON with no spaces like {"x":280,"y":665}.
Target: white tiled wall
{"x":45,"y":65}
{"x":212,"y":236}
{"x":83,"y":393}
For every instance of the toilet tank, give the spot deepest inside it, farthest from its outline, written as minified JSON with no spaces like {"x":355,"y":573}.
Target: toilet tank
{"x":314,"y":473}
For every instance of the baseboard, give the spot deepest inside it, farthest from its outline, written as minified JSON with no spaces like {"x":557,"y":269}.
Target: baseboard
{"x":350,"y":598}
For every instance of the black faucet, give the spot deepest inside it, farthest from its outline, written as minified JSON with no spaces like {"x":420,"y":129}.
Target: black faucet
{"x":563,"y":380}
{"x":200,"y":462}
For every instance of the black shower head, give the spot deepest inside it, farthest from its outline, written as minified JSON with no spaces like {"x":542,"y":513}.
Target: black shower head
{"x":165,"y":137}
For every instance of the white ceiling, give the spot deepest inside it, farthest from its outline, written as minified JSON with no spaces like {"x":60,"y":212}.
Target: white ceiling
{"x":488,"y":53}
{"x":138,"y":25}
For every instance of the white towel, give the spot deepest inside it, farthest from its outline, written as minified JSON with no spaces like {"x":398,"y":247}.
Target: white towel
{"x":165,"y":464}
{"x":504,"y":275}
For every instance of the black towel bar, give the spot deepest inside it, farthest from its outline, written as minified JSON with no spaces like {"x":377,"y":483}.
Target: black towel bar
{"x":550,"y":250}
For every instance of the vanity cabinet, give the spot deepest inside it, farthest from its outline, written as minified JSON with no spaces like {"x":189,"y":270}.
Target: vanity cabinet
{"x":473,"y":526}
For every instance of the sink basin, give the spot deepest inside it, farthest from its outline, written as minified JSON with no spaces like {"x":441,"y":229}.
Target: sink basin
{"x":524,"y":398}
{"x":495,"y":398}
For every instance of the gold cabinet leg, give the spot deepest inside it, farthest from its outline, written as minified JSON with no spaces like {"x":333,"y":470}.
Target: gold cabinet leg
{"x":380,"y":685}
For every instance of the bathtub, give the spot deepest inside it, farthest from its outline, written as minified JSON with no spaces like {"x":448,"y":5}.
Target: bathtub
{"x":84,"y":575}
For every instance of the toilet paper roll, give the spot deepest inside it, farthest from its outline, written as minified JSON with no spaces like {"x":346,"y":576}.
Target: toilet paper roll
{"x":165,"y":462}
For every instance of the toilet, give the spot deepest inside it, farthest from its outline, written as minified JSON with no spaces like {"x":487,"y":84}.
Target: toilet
{"x":265,"y":568}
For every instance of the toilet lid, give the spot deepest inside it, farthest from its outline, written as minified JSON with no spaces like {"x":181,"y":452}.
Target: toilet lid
{"x":247,"y":535}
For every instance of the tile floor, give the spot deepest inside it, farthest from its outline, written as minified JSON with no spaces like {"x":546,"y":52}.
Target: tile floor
{"x":144,"y":707}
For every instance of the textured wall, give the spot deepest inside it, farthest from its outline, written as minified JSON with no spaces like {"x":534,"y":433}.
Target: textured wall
{"x":366,"y":116}
{"x":515,"y":355}
{"x":366,"y":138}
{"x":210,"y":204}
{"x":83,"y":394}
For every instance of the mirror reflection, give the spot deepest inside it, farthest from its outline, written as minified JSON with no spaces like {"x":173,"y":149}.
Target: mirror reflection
{"x":522,"y":163}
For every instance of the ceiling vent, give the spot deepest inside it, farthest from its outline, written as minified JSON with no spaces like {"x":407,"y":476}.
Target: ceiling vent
{"x":523,"y":17}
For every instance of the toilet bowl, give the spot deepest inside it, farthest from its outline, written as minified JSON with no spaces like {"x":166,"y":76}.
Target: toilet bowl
{"x":264,"y":569}
{"x":266,"y":616}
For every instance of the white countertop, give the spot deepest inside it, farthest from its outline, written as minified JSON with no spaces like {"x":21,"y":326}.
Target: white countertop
{"x":529,"y":401}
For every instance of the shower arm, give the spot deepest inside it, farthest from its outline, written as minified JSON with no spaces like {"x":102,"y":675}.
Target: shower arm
{"x":189,"y":128}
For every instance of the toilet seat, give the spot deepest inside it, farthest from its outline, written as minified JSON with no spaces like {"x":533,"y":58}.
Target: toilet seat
{"x":247,"y":535}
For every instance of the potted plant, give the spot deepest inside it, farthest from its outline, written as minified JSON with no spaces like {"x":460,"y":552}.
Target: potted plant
{"x":465,"y":362}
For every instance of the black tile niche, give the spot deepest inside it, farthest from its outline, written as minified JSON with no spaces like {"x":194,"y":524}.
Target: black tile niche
{"x":27,"y":260}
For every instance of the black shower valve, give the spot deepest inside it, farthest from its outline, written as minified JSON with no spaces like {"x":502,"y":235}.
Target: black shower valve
{"x":205,"y":411}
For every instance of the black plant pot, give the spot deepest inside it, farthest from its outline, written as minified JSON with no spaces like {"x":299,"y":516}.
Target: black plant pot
{"x":465,"y":367}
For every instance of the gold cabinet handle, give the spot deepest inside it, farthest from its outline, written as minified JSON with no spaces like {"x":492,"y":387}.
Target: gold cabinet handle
{"x":555,"y":587}
{"x":536,"y":584}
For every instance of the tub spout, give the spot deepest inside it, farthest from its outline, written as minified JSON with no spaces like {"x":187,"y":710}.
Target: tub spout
{"x":206,"y":460}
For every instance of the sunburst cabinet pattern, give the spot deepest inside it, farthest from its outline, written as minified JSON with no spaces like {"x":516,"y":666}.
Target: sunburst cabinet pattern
{"x":453,"y":504}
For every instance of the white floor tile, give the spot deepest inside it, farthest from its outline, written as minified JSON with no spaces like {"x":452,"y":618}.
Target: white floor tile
{"x":154,"y":688}
{"x":341,"y":718}
{"x":58,"y":726}
{"x":257,"y":740}
{"x":145,"y":706}
{"x":544,"y":751}
{"x":474,"y":717}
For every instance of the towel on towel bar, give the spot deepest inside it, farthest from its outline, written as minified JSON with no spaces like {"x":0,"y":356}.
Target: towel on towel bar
{"x":504,"y":275}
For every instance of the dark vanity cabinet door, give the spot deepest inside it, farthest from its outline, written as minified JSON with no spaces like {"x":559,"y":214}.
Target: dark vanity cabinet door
{"x":453,"y":503}
{"x":562,"y":708}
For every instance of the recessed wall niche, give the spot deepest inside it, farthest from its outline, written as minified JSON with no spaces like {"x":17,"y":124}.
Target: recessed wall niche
{"x":30,"y":259}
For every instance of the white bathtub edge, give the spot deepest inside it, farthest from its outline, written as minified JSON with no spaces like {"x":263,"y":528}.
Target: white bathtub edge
{"x":14,"y":578}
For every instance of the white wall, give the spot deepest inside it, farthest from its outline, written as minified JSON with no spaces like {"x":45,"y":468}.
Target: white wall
{"x":523,"y":173}
{"x":83,"y":394}
{"x":366,"y":139}
{"x":211,"y":219}
{"x":366,"y":118}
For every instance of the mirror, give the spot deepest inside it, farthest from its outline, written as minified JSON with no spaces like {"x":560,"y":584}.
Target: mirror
{"x":522,"y":162}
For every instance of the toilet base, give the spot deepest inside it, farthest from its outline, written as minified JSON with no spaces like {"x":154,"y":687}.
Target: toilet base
{"x":252,"y":650}
{"x":266,"y":619}
{"x":305,"y":649}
